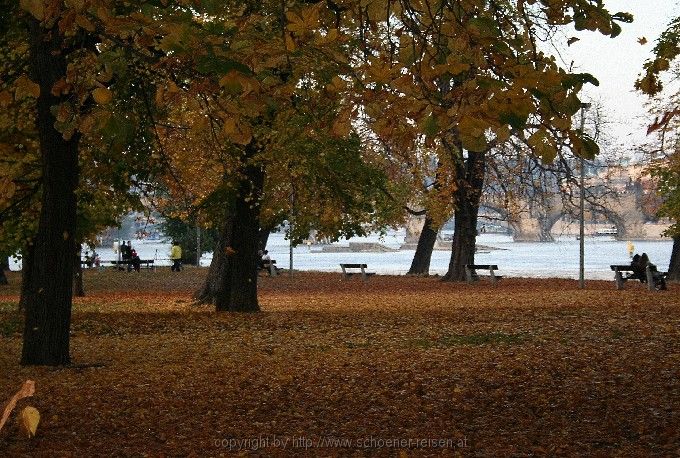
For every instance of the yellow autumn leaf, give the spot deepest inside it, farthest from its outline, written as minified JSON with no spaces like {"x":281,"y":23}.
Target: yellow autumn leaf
{"x":63,"y":113}
{"x":160,"y":95}
{"x":290,"y":44}
{"x":102,"y":95}
{"x":229,"y":126}
{"x":27,"y":390}
{"x":35,"y":7}
{"x":502,"y":134}
{"x":60,"y":87}
{"x":5,"y":98}
{"x":24,"y":87}
{"x":296,"y":24}
{"x":231,"y":83}
{"x":85,"y":23}
{"x":75,"y":4}
{"x":336,"y":85}
{"x":380,"y":72}
{"x":7,"y":190}
{"x":172,"y":87}
{"x":342,"y":126}
{"x":87,"y":124}
{"x":28,"y":421}
{"x":332,"y":35}
{"x":243,"y":136}
{"x":310,"y":16}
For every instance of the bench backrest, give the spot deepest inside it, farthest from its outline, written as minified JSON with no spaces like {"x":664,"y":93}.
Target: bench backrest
{"x":354,"y":266}
{"x":482,"y":266}
{"x":623,"y":268}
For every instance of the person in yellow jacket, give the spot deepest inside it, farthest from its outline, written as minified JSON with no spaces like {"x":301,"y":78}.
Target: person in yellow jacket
{"x":631,"y":248}
{"x":176,"y":256}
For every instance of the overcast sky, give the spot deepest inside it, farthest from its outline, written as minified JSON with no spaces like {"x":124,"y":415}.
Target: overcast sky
{"x":617,"y":62}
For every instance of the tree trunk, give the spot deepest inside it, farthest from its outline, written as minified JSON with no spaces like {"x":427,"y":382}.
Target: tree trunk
{"x":26,"y":263}
{"x":4,"y":265}
{"x":238,"y":283}
{"x":470,"y":173}
{"x":674,"y":265}
{"x":423,"y":255}
{"x":264,"y":237}
{"x":48,"y":295}
{"x":211,"y":287}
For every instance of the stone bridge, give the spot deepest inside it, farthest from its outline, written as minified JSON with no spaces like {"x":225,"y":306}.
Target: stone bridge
{"x":534,"y":221}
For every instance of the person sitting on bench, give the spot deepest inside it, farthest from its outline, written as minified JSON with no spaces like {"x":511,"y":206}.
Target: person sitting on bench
{"x":639,"y":268}
{"x":640,"y":264}
{"x":135,"y":262}
{"x":266,"y":261}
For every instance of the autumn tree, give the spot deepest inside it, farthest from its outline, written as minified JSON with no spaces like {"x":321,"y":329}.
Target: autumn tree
{"x":75,"y":54}
{"x":667,"y":128}
{"x":467,"y":74}
{"x":270,"y":144}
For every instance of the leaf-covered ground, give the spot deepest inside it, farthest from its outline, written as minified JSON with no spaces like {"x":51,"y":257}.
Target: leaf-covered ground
{"x":395,"y":365}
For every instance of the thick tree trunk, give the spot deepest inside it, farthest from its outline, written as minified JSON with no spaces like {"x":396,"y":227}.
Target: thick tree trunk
{"x":238,"y":283}
{"x":26,"y":263}
{"x":674,"y":265}
{"x":48,"y":295}
{"x":4,"y":265}
{"x":211,"y":287}
{"x":423,"y":255}
{"x":470,"y":174}
{"x":264,"y":237}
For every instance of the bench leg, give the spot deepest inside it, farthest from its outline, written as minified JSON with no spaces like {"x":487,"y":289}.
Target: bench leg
{"x":272,"y":270}
{"x":363,"y":274}
{"x":619,"y":280}
{"x":651,"y":284}
{"x":493,"y":277}
{"x":344,"y":273}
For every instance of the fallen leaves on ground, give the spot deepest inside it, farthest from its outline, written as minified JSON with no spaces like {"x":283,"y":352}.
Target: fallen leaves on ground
{"x":345,"y":367}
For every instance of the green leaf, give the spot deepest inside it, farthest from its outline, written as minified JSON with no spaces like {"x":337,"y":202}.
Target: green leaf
{"x":590,"y":148}
{"x":430,"y":127}
{"x":542,"y":146}
{"x":513,"y":119}
{"x":213,"y":65}
{"x":474,"y":144}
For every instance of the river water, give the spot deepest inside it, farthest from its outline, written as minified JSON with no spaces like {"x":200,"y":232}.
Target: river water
{"x":555,"y":259}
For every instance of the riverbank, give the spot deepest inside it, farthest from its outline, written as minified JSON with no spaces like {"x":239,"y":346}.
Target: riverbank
{"x":340,"y":367}
{"x":515,"y":259}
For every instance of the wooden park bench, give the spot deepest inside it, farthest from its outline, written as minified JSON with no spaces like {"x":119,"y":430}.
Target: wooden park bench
{"x":471,"y":274}
{"x":653,"y":278}
{"x":362,"y":267}
{"x":143,"y":263}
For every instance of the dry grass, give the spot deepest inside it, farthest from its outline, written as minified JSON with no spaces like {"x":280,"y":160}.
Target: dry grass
{"x":526,"y":367}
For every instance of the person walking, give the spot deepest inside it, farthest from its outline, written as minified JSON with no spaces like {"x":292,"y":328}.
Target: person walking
{"x":176,"y":256}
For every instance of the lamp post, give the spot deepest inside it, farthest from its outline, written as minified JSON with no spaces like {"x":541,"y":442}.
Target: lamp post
{"x":581,"y":228}
{"x":198,"y":246}
{"x":290,"y":230}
